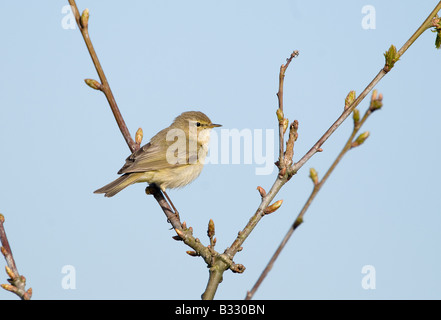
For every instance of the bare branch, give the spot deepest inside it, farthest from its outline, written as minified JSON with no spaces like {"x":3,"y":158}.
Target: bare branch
{"x":391,"y":56}
{"x":183,"y":233}
{"x":217,"y":262}
{"x":317,"y":186}
{"x":17,"y":282}
{"x":280,"y":115}
{"x":82,"y":22}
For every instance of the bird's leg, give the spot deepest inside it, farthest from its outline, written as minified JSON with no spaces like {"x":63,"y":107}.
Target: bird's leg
{"x":171,"y":213}
{"x":172,"y":205}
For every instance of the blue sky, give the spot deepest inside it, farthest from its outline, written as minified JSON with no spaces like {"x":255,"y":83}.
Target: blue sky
{"x":59,"y":142}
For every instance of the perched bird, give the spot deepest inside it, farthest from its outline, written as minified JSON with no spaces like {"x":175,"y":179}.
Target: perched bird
{"x":173,"y":158}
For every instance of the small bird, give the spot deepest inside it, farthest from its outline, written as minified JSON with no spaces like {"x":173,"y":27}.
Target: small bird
{"x":173,"y":158}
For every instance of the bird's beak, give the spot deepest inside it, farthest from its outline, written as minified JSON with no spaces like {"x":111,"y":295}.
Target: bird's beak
{"x":214,"y":125}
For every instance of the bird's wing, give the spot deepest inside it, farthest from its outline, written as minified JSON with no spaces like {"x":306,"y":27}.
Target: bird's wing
{"x":151,"y":157}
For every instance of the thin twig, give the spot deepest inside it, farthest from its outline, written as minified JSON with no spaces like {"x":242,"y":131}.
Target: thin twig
{"x":280,"y":115}
{"x":105,"y":88}
{"x":218,"y":263}
{"x":317,"y":146}
{"x":282,"y":179}
{"x":424,"y":26}
{"x":17,"y":282}
{"x":183,"y":233}
{"x":429,"y":22}
{"x":299,"y":219}
{"x":219,"y":266}
{"x":83,"y":25}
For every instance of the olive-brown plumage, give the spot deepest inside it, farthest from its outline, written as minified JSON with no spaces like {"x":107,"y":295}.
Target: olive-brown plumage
{"x":173,"y":158}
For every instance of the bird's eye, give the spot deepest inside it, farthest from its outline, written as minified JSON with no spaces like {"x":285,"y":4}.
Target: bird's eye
{"x":198,"y":124}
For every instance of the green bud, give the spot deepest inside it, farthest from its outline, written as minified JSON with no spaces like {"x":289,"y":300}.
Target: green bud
{"x":360,"y":139}
{"x":276,"y":205}
{"x":356,"y":115}
{"x":285,"y":124}
{"x":349,"y":99}
{"x":313,"y":175}
{"x":438,"y":39}
{"x":377,"y":104}
{"x":279,"y":114}
{"x":93,"y":84}
{"x":376,"y":101}
{"x":391,"y":56}
{"x":298,"y":221}
{"x":84,"y":20}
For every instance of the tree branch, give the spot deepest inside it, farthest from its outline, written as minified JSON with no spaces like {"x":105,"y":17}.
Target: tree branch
{"x":391,"y":56}
{"x":183,"y":233}
{"x":83,"y":25}
{"x":17,"y":282}
{"x":375,"y":105}
{"x":394,"y":57}
{"x":218,"y":263}
{"x":283,"y":123}
{"x":219,"y":266}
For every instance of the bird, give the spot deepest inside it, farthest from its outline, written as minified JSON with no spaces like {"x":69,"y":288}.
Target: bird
{"x":172,"y":158}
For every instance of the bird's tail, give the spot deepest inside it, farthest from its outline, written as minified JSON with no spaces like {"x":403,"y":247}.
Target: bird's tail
{"x":116,"y":186}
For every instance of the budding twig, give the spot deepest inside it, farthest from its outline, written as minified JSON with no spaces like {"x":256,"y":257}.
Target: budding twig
{"x":392,"y":58}
{"x":17,"y":282}
{"x":182,"y":233}
{"x":83,"y":23}
{"x":317,"y":186}
{"x":283,"y":122}
{"x":83,"y":26}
